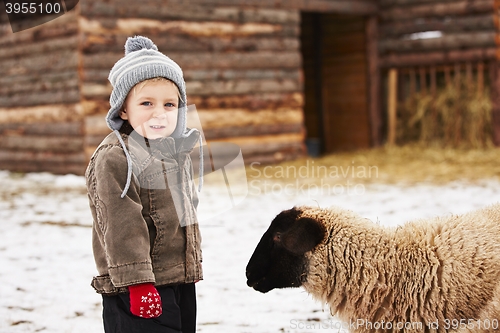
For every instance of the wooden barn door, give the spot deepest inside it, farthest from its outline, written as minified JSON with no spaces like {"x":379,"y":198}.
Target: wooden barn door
{"x":335,"y":77}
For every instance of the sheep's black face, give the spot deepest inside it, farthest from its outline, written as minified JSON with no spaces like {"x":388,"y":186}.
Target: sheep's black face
{"x":278,"y":260}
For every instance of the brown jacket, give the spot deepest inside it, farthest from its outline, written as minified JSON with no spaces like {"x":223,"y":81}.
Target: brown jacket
{"x":150,"y":235}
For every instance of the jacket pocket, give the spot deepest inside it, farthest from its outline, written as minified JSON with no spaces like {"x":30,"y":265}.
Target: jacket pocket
{"x":170,"y":242}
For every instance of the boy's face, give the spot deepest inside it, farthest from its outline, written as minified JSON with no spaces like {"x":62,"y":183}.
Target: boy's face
{"x":152,"y":111}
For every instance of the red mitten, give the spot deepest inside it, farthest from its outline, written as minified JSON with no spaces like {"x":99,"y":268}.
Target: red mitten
{"x":145,"y":301}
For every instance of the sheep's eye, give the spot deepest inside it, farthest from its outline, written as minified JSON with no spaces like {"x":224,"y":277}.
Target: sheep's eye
{"x":277,"y":237}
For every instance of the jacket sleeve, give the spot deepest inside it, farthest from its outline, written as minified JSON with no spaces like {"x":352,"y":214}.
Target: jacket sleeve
{"x":123,"y":231}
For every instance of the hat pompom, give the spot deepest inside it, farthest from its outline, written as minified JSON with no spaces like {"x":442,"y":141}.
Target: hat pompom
{"x":138,"y":43}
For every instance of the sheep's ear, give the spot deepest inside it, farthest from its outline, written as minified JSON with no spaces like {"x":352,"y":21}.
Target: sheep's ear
{"x":303,"y":236}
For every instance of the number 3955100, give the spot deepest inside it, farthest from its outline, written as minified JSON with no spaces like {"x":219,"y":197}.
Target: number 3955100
{"x":32,"y":8}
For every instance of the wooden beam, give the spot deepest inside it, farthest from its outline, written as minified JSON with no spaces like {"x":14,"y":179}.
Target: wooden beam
{"x":92,"y":90}
{"x":495,"y":97}
{"x":209,"y":87}
{"x":179,"y":10}
{"x":130,"y":26}
{"x":208,"y":60}
{"x":174,"y":42}
{"x":37,"y":156}
{"x":250,"y":102}
{"x":342,"y":7}
{"x":41,"y":129}
{"x":357,"y":7}
{"x":483,"y":39}
{"x":252,"y":145}
{"x":457,"y":75}
{"x":233,"y":87}
{"x":423,"y":80}
{"x":480,"y":79}
{"x":242,"y":117}
{"x":253,"y":130}
{"x":242,"y":74}
{"x":45,"y":46}
{"x":27,"y":99}
{"x":267,"y":100}
{"x":8,"y":83}
{"x":481,"y":22}
{"x":456,"y":132}
{"x":434,"y":9}
{"x":436,"y":58}
{"x":447,"y":75}
{"x":61,"y":144}
{"x":38,"y":161}
{"x":373,"y":81}
{"x":218,"y":119}
{"x":387,"y":3}
{"x":392,"y":105}
{"x":41,"y":114}
{"x":468,"y":75}
{"x":40,"y":63}
{"x":413,"y":82}
{"x":65,"y":81}
{"x":433,"y":83}
{"x":433,"y":92}
{"x":224,"y":132}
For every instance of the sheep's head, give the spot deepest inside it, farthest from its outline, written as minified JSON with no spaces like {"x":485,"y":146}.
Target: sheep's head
{"x":279,"y":259}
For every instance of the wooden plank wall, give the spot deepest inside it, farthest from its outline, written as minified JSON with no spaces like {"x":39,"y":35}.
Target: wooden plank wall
{"x":467,"y":27}
{"x":40,"y":115}
{"x":358,"y":7}
{"x":242,"y":67}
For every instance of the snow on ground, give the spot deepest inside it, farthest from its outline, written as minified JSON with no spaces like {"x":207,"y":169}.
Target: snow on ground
{"x":47,"y":265}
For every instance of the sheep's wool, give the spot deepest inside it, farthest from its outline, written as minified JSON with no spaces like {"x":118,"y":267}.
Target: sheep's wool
{"x":422,"y":274}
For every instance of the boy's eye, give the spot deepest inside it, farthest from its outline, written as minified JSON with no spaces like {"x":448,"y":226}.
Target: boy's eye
{"x":169,"y":105}
{"x":146,"y":103}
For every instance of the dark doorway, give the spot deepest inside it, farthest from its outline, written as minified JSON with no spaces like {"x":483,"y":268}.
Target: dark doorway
{"x":335,"y":82}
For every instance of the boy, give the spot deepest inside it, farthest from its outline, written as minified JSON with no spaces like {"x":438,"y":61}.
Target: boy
{"x":146,"y":240}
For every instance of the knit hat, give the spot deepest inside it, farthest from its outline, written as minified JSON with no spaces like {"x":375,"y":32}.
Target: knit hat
{"x":143,"y":61}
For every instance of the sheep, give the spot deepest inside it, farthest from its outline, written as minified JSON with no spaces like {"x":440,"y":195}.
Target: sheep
{"x":434,"y":275}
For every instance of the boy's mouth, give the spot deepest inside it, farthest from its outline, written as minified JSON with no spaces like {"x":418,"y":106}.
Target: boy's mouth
{"x":157,"y":126}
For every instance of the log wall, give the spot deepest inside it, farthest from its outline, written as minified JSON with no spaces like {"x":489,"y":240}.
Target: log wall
{"x":241,"y":60}
{"x":467,"y":32}
{"x":242,"y":67}
{"x":41,"y":120}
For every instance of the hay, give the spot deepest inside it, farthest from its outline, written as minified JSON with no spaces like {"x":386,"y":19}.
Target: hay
{"x":410,"y":164}
{"x":459,"y":115}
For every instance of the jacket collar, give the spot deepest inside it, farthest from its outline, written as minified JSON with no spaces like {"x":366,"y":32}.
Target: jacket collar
{"x":144,"y":153}
{"x":166,"y":147}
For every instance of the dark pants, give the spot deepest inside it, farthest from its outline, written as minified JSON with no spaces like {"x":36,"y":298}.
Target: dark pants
{"x":179,"y":312}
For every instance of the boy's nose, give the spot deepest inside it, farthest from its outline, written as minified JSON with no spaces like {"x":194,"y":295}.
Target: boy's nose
{"x":159,"y":113}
